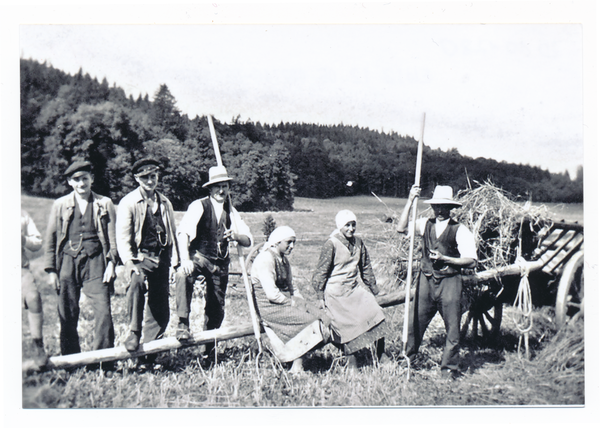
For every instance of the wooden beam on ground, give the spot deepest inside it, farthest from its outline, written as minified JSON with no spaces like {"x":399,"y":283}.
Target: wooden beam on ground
{"x":160,"y":345}
{"x":168,"y":343}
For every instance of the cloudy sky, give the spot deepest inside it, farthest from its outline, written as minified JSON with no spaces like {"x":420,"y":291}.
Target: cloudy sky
{"x":509,"y":92}
{"x":511,"y":89}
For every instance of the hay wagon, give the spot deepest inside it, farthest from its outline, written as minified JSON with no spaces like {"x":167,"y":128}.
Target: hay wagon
{"x":554,"y":266}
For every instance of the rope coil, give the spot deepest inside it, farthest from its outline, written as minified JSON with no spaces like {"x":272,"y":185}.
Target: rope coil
{"x":523,"y":302}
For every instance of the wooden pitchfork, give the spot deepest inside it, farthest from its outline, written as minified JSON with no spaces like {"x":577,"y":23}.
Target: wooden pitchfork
{"x":253,"y":316}
{"x":411,"y":232}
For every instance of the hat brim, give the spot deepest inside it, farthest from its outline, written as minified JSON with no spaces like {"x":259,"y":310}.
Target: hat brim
{"x":218,"y":180}
{"x":443,"y":202}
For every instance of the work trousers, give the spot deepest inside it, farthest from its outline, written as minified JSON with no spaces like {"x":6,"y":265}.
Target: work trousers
{"x":432,"y":296}
{"x":153,"y":280}
{"x":84,"y":273}
{"x":216,"y":276}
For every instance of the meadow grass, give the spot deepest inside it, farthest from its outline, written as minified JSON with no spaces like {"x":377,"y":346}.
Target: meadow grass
{"x":492,"y":376}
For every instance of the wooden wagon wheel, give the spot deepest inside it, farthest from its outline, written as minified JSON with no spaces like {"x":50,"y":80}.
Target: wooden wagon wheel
{"x":483,"y":317}
{"x":569,"y":295}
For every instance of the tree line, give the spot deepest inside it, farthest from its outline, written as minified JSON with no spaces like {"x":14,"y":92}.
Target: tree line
{"x":69,"y":117}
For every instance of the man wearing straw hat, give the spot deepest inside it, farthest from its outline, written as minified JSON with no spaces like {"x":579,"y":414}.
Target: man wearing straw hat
{"x":203,"y":237}
{"x":447,"y":248}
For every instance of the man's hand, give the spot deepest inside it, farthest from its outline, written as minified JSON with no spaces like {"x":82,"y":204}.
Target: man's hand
{"x":435,"y":255}
{"x":109,"y":273}
{"x":415,"y":192}
{"x":53,"y":281}
{"x":230,"y":235}
{"x":187,"y":267}
{"x":243,"y":240}
{"x":130,"y":269}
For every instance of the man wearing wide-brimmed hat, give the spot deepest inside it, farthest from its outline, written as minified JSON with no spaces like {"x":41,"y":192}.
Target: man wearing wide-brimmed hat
{"x":447,"y":248}
{"x":203,"y":237}
{"x":147,"y":247}
{"x":81,"y":255}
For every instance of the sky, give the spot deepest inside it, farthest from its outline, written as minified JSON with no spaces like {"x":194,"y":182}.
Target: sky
{"x":510,"y":92}
{"x":507,"y":86}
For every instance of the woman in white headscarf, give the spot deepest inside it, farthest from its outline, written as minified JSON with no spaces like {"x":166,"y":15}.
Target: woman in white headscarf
{"x":357,"y":320}
{"x":292,"y":324}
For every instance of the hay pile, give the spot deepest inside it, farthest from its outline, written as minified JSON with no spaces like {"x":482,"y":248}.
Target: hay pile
{"x":497,"y":222}
{"x":565,"y":352}
{"x":494,"y":216}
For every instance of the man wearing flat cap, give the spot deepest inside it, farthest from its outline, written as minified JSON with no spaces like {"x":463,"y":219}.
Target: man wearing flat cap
{"x":203,"y":236}
{"x":146,"y":243}
{"x":448,"y":247}
{"x":80,"y":254}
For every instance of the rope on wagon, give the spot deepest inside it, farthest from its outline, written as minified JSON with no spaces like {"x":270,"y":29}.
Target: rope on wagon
{"x":523,"y":304}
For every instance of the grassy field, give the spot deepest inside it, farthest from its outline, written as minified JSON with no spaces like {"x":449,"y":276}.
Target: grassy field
{"x":492,"y":376}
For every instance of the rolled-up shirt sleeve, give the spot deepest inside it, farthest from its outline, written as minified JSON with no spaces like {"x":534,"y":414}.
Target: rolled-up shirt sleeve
{"x":465,"y":242}
{"x":189,"y":222}
{"x":240,"y":226}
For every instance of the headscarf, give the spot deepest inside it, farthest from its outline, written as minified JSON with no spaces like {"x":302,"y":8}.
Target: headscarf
{"x":343,"y":217}
{"x":279,"y":234}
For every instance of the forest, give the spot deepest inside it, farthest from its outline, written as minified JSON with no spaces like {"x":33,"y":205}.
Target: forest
{"x":75,"y":117}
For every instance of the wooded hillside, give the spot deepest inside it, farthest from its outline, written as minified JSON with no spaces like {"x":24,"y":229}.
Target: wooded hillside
{"x":65,"y":117}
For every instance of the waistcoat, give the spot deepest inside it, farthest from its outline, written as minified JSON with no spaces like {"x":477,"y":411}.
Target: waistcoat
{"x":154,"y":236}
{"x":209,"y":240}
{"x":445,"y":244}
{"x":82,"y":236}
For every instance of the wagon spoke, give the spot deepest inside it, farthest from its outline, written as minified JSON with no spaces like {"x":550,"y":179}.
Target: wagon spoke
{"x":465,"y":326}
{"x":484,"y":330}
{"x":489,"y":317}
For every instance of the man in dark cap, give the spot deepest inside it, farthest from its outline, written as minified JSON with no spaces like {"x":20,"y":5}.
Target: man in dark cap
{"x":448,"y":247}
{"x":203,"y":238}
{"x":81,"y":255}
{"x":146,"y":244}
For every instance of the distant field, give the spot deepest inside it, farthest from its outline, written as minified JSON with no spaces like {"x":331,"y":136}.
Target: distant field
{"x":182,"y":382}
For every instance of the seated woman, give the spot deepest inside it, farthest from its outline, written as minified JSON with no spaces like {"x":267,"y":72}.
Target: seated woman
{"x":292,"y":324}
{"x":356,"y":318}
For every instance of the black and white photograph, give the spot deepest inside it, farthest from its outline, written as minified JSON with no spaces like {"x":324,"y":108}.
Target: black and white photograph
{"x":338,"y":206}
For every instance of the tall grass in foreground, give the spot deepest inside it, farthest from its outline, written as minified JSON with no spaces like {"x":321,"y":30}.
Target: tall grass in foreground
{"x":492,"y":376}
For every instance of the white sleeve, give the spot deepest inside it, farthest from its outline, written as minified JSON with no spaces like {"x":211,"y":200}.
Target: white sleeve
{"x":189,"y":222}
{"x":263,"y":269}
{"x":420,"y":226}
{"x":33,"y":238}
{"x":240,"y":226}
{"x":466,"y":242}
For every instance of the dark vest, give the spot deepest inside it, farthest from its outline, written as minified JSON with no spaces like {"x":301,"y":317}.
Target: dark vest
{"x":82,"y":236}
{"x":281,"y":269}
{"x":154,"y":236}
{"x":445,"y":244}
{"x":209,"y":240}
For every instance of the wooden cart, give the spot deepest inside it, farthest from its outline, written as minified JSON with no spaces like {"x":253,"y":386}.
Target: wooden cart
{"x":555,"y":272}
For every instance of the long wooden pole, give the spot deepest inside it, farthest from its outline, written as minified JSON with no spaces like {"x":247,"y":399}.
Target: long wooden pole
{"x":411,"y":248}
{"x":169,"y":343}
{"x":253,"y":316}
